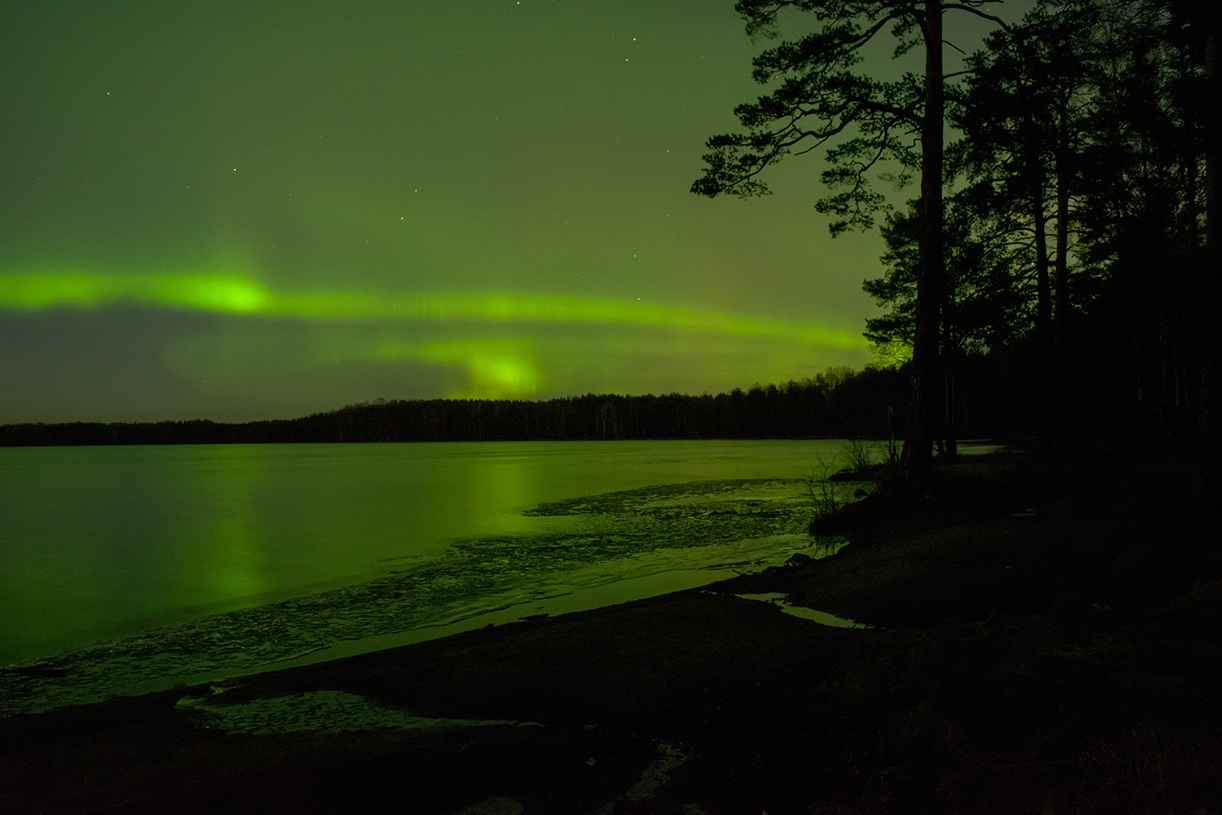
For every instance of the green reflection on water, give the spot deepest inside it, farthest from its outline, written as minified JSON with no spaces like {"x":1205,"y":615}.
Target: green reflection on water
{"x":228,"y":564}
{"x":106,"y":541}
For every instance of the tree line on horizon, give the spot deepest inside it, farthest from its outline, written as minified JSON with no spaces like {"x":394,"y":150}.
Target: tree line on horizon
{"x":838,"y":403}
{"x":1071,"y":222}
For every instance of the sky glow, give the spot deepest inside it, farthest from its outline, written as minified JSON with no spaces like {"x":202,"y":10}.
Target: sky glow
{"x":237,"y":295}
{"x":253,"y":210}
{"x":497,"y":368}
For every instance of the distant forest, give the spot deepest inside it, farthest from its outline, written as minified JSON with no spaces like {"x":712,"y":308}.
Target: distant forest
{"x":835,"y":404}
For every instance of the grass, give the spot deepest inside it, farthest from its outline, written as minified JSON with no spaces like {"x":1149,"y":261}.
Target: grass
{"x":824,"y":496}
{"x":855,"y":460}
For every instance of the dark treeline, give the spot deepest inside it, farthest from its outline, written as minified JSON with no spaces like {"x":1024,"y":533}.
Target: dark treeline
{"x":834,"y":404}
{"x":1069,"y":219}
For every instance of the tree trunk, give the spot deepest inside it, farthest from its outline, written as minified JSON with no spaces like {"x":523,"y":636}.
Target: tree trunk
{"x":1044,"y":349}
{"x":917,"y":458}
{"x":1209,"y":450}
{"x":1061,"y":403}
{"x":949,"y":360}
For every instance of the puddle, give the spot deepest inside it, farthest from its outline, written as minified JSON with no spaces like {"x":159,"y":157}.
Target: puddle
{"x":781,"y":601}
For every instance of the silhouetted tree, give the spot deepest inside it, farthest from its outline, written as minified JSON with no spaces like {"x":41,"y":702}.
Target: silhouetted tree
{"x":1031,"y":93}
{"x":818,"y":100}
{"x":1142,"y":199}
{"x":981,"y":310}
{"x":1209,"y":445}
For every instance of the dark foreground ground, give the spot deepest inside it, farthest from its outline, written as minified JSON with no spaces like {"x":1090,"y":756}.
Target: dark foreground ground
{"x":1045,"y":640}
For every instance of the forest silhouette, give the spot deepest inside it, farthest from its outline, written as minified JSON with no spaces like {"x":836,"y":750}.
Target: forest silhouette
{"x":833,"y":404}
{"x":1071,"y":223}
{"x":995,"y":401}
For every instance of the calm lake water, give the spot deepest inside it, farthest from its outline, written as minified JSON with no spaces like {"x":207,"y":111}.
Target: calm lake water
{"x":142,"y":564}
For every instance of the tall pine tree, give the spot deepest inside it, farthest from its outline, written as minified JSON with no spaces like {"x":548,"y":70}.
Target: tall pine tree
{"x":821,"y":98}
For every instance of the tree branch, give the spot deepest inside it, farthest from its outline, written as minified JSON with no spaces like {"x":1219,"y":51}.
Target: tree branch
{"x":977,"y":12}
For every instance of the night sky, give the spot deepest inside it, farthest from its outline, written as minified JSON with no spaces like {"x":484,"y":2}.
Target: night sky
{"x":251,"y":210}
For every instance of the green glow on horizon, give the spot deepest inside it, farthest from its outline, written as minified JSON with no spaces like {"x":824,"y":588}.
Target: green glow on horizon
{"x":498,"y":369}
{"x":239,"y":294}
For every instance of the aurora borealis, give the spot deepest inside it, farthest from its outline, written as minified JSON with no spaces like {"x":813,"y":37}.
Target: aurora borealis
{"x":250,"y":210}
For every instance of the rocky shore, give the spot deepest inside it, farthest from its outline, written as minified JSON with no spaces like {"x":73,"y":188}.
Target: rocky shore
{"x":1042,"y":638}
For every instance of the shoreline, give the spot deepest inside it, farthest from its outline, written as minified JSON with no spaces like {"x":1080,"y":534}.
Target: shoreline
{"x":1044,"y":638}
{"x":433,"y":547}
{"x":114,"y":678}
{"x":640,"y":542}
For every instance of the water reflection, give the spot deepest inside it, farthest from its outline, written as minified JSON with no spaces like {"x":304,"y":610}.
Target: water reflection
{"x":229,"y":564}
{"x":103,"y":542}
{"x":652,"y":539}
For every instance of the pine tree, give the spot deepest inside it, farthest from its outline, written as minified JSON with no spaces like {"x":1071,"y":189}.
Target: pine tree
{"x":820,"y":100}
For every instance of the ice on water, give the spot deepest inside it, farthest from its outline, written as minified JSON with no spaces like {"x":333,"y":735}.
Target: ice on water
{"x":715,"y":526}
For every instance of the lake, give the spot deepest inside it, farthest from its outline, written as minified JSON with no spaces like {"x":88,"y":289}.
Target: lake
{"x":129,"y":568}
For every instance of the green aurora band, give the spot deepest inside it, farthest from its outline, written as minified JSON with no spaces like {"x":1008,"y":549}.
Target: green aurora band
{"x":496,"y":366}
{"x":237,"y":294}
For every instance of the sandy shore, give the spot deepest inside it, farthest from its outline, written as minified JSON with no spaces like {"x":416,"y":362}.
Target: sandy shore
{"x":1044,"y":639}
